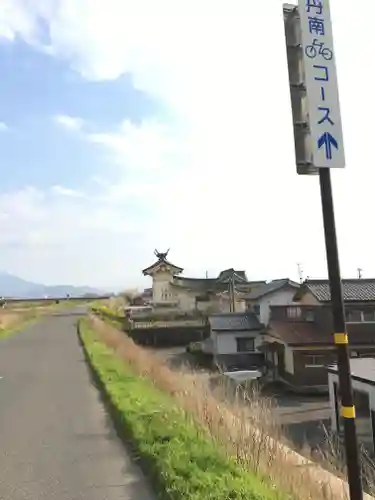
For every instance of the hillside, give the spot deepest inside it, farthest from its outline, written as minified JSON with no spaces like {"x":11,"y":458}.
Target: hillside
{"x":12,"y":286}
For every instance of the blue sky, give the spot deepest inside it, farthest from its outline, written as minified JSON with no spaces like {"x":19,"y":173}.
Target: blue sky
{"x":38,"y":87}
{"x":126,"y":126}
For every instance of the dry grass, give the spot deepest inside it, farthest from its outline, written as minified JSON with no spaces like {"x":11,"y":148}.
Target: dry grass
{"x":10,"y":320}
{"x":243,"y":423}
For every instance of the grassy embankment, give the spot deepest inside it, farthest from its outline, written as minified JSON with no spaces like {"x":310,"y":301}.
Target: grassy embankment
{"x":15,"y":316}
{"x":180,"y":455}
{"x":244,"y":426}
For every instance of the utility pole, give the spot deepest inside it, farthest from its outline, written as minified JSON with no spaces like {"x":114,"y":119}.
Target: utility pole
{"x":232,"y":304}
{"x":319,"y":147}
{"x":359,"y":273}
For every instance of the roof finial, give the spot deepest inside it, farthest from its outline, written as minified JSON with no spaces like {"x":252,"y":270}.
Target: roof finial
{"x":161,"y":255}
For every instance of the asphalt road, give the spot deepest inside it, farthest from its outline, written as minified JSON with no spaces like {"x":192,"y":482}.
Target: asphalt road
{"x":56,"y":441}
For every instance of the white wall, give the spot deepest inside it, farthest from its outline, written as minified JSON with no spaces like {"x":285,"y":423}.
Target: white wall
{"x":186,"y":300}
{"x":282,"y":297}
{"x":359,"y":386}
{"x":289,"y":359}
{"x":225,"y":343}
{"x":160,"y":283}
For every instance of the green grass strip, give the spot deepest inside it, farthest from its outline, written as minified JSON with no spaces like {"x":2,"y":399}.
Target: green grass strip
{"x":182,"y":462}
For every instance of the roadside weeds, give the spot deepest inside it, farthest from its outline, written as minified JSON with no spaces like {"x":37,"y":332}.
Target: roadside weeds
{"x":244,"y":425}
{"x":179,"y":455}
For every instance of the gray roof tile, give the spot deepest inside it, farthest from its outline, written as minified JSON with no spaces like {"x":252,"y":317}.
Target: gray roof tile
{"x":270,"y":287}
{"x":360,"y":290}
{"x":234,"y":321}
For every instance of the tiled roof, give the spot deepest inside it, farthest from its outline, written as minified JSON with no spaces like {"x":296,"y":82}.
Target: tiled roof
{"x":225,"y":275}
{"x":206,"y":284}
{"x":159,"y":262}
{"x":300,"y":333}
{"x":270,"y":287}
{"x":234,"y":322}
{"x":360,"y":290}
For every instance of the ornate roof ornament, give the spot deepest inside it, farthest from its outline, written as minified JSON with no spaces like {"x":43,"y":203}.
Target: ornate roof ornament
{"x":161,"y":255}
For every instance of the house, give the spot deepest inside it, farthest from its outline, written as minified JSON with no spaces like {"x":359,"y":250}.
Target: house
{"x":234,"y":341}
{"x":172,"y":290}
{"x":275,"y":292}
{"x":355,"y":291}
{"x":298,"y":343}
{"x":363,"y":382}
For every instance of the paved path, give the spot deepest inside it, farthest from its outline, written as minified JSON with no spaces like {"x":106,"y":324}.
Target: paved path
{"x":56,"y":442}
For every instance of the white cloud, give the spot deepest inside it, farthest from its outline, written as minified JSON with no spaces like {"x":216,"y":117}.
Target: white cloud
{"x":219,"y":186}
{"x":3,"y":127}
{"x":69,"y":122}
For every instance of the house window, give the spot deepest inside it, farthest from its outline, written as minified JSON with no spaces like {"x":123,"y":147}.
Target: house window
{"x":256,"y":309}
{"x":245,"y":344}
{"x":309,"y":315}
{"x":314,"y":361}
{"x":356,"y":316}
{"x":293,"y":312}
{"x":353,"y":316}
{"x":368,"y":315}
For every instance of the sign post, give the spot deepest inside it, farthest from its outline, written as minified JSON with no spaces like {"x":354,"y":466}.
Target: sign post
{"x":312,"y":71}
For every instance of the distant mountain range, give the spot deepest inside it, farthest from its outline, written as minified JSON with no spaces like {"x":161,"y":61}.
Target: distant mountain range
{"x":14,"y":287}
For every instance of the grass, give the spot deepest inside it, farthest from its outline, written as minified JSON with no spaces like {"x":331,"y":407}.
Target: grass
{"x":11,"y":323}
{"x":243,"y":423}
{"x":15,"y":317}
{"x":182,"y":457}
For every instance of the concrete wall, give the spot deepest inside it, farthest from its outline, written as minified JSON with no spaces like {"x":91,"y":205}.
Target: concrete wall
{"x":225,"y":343}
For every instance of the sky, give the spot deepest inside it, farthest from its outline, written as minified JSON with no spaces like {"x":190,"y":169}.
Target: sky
{"x":128,"y":126}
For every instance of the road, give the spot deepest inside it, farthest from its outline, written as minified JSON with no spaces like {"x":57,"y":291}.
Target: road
{"x":56,"y":441}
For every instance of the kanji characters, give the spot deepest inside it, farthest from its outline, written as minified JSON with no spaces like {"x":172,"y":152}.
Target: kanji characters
{"x":316,"y":26}
{"x":316,"y":5}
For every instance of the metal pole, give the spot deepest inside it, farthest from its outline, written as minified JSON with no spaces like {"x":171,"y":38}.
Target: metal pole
{"x":341,"y":338}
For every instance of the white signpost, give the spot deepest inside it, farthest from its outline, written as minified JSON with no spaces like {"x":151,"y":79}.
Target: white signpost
{"x":321,"y":84}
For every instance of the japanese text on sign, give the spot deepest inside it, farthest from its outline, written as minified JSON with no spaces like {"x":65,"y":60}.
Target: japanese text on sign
{"x":321,"y":83}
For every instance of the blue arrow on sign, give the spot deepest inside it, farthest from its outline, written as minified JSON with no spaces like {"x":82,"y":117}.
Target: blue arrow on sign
{"x":327,"y":140}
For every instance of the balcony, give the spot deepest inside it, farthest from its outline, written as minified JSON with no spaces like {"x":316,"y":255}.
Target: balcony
{"x":293,"y":313}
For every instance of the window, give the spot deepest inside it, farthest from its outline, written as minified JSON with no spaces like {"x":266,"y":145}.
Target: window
{"x":256,"y":309}
{"x":245,"y":344}
{"x":309,"y":315}
{"x":368,"y":315}
{"x":356,"y":316}
{"x":314,"y":361}
{"x":293,"y":312}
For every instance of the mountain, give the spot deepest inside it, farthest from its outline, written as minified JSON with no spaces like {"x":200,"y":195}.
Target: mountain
{"x":14,"y":287}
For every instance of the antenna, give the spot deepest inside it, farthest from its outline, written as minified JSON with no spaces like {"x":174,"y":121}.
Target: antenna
{"x":300,"y":273}
{"x":359,"y":270}
{"x":206,"y":275}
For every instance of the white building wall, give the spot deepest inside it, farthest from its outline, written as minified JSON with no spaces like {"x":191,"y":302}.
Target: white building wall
{"x":279,"y":298}
{"x":186,"y":300}
{"x":357,"y":385}
{"x":161,"y":285}
{"x":289,"y":359}
{"x":226,"y":342}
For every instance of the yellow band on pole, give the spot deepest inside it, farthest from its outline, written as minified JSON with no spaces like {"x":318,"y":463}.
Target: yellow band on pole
{"x":341,"y":338}
{"x":348,"y":411}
